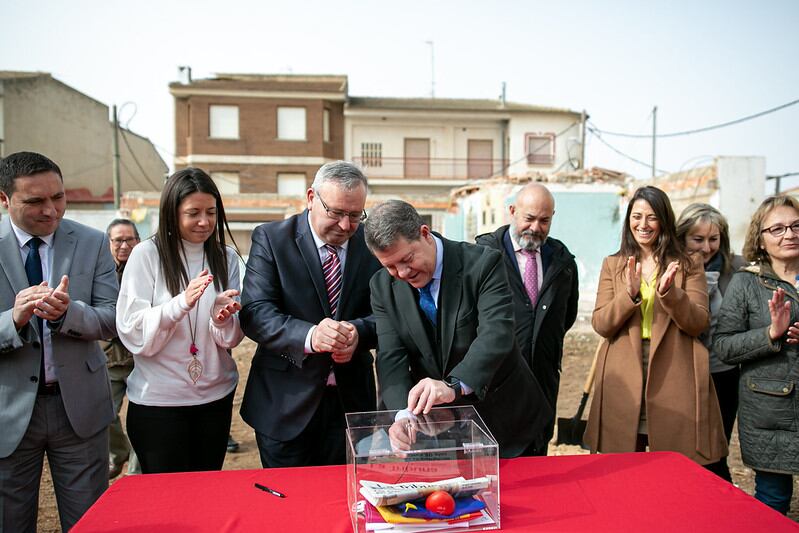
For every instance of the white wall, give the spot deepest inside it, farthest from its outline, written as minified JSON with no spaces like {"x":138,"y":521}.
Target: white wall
{"x":448,"y":136}
{"x":742,"y":181}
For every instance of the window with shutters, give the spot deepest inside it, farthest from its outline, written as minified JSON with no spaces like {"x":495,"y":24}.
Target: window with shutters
{"x":540,"y":148}
{"x":372,"y":154}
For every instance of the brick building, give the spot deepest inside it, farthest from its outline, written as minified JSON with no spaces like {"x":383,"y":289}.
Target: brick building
{"x":259,"y":133}
{"x":268,"y":134}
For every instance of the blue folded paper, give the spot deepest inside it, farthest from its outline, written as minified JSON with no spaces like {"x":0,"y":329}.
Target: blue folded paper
{"x":416,"y":508}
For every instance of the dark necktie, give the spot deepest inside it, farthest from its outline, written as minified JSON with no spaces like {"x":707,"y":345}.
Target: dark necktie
{"x":33,"y":268}
{"x":427,"y":303}
{"x":331,"y":269}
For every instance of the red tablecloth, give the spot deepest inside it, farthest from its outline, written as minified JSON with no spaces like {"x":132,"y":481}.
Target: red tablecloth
{"x":587,"y":493}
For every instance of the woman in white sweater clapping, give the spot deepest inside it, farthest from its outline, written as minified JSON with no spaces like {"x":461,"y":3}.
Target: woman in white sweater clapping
{"x":178,"y":314}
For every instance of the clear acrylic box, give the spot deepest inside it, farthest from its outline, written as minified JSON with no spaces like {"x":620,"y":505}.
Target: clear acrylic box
{"x":447,"y":444}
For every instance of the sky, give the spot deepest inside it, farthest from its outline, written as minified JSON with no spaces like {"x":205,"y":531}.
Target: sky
{"x":701,"y":63}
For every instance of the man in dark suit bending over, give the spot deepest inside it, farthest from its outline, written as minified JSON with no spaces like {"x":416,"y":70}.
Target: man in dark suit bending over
{"x":445,"y":328}
{"x":305,"y":301}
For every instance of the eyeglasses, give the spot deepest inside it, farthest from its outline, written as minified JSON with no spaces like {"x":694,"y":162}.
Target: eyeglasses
{"x":337,"y":214}
{"x":130,"y":241}
{"x":778,"y":230}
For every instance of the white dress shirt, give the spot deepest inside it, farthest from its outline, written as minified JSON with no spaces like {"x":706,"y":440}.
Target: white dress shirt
{"x":46,"y":256}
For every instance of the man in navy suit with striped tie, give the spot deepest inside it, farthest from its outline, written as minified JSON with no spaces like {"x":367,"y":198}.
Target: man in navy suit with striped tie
{"x":305,"y":301}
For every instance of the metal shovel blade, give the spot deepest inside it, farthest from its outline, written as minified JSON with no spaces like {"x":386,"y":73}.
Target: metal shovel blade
{"x":570,"y":430}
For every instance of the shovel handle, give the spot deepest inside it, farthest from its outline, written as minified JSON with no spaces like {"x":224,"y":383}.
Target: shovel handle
{"x":589,"y":380}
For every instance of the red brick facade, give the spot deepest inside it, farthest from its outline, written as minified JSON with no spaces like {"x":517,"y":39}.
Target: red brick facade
{"x":258,"y":155}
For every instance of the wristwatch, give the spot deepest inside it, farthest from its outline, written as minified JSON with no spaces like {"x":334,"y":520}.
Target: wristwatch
{"x":454,"y":384}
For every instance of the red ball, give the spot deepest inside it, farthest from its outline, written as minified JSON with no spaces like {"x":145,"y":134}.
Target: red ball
{"x":440,"y":502}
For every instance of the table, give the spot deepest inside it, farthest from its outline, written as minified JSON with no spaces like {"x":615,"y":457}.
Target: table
{"x":657,"y":491}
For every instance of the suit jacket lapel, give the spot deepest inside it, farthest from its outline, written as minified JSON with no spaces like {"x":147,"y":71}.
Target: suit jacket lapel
{"x":449,"y":298}
{"x":356,"y":251}
{"x":510,"y":253}
{"x":517,"y":284}
{"x":406,"y":301}
{"x":64,"y":244}
{"x":12,"y":265}
{"x":310,"y":256}
{"x":10,"y":258}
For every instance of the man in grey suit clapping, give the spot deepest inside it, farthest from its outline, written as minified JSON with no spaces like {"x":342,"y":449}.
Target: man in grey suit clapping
{"x":58,"y":291}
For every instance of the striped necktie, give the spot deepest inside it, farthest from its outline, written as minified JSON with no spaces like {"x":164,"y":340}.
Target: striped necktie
{"x":331,"y":269}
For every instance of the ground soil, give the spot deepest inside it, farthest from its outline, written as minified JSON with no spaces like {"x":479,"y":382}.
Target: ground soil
{"x":578,"y":353}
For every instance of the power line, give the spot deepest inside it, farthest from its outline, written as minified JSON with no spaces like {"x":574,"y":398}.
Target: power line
{"x":165,"y":150}
{"x":788,"y":175}
{"x":598,"y":134}
{"x":136,"y":159}
{"x":700,"y":130}
{"x":502,"y":170}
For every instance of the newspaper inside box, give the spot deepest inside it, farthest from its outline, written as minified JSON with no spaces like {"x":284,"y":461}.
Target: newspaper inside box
{"x":394,"y":462}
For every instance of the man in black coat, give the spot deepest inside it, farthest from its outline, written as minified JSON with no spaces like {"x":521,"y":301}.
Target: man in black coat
{"x":445,"y":329}
{"x":305,"y":301}
{"x":545,"y":297}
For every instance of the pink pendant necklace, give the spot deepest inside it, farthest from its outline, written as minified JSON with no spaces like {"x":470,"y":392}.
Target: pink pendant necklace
{"x":195,"y":367}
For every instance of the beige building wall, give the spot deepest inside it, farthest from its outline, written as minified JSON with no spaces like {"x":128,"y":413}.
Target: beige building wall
{"x":449,"y":135}
{"x":566,"y":144}
{"x":43,"y":115}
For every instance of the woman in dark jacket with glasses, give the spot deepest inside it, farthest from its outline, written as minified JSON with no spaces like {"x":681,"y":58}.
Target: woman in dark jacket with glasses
{"x":758,"y":330}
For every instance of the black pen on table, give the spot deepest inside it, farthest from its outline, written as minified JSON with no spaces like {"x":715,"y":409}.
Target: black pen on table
{"x":270,"y":491}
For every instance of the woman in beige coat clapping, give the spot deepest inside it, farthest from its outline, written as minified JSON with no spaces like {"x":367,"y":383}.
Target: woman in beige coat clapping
{"x":653,"y":386}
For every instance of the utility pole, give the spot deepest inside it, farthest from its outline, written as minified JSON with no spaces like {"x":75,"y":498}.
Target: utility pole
{"x":582,"y":140}
{"x":432,"y":69}
{"x":654,"y":137}
{"x":117,"y":187}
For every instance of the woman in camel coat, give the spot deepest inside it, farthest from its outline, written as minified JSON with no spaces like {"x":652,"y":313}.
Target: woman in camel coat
{"x":653,"y":385}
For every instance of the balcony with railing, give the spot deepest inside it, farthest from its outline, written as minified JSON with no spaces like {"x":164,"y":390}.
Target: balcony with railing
{"x":430,"y":168}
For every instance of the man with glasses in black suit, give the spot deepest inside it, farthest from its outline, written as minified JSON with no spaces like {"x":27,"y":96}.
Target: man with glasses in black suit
{"x":305,"y":301}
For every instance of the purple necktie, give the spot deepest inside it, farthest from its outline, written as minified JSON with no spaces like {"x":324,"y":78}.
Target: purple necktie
{"x":531,"y":276}
{"x":331,"y":269}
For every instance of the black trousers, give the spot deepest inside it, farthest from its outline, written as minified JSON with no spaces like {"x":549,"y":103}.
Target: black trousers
{"x":322,"y":442}
{"x":180,"y":439}
{"x":726,"y":384}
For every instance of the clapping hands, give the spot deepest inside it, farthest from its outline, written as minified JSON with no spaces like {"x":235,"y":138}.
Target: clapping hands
{"x":780,"y":311}
{"x":339,"y":338}
{"x":225,"y":305}
{"x":632,"y":277}
{"x":667,"y":279}
{"x":196,"y":287}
